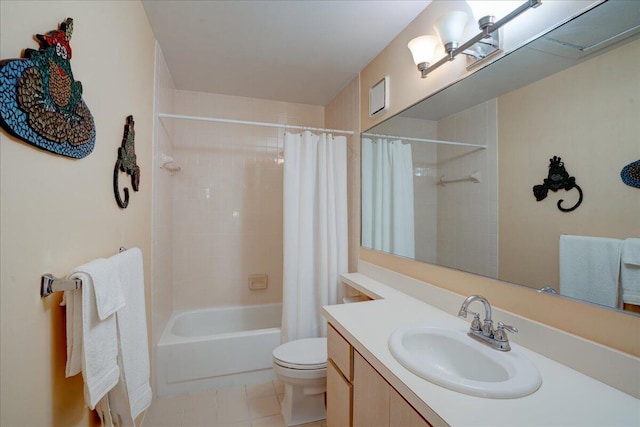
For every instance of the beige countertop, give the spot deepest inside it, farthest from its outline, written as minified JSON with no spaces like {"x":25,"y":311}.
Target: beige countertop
{"x":565,"y":398}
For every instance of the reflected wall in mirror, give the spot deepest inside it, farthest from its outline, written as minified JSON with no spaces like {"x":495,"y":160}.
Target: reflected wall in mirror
{"x":449,"y":181}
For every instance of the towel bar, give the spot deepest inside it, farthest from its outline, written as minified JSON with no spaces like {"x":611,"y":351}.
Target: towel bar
{"x":50,"y":284}
{"x":474,"y":177}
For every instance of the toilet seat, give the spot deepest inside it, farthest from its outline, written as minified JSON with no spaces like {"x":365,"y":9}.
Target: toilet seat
{"x":303,"y":354}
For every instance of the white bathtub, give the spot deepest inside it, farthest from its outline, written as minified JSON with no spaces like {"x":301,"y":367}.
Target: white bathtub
{"x":218,"y":347}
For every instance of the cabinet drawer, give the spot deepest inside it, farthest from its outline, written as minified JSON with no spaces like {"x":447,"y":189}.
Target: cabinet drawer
{"x":339,"y":350}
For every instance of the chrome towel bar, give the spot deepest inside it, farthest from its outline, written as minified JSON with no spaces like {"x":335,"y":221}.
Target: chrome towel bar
{"x":474,"y":177}
{"x":50,"y":284}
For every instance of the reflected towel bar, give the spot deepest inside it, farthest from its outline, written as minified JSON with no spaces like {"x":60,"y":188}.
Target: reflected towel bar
{"x":474,"y":177}
{"x":50,"y":284}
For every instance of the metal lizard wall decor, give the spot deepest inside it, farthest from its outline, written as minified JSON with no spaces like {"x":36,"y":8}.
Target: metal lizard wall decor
{"x":558,"y":179}
{"x":126,"y":163}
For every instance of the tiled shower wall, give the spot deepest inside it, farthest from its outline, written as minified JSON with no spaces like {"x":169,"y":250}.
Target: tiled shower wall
{"x":227,"y":204}
{"x":468,"y":212}
{"x":162,"y":213}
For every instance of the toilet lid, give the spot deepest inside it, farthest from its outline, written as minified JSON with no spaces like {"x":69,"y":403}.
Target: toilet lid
{"x":307,"y":353}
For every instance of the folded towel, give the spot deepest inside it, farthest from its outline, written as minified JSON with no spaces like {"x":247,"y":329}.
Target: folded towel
{"x":132,"y":395}
{"x":631,"y":251}
{"x":99,"y":338}
{"x":630,"y":271}
{"x":73,"y":302}
{"x":590,"y":269}
{"x":109,"y":295}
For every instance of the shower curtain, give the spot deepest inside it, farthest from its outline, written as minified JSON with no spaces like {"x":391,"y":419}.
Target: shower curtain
{"x":315,"y":230}
{"x":387,"y":197}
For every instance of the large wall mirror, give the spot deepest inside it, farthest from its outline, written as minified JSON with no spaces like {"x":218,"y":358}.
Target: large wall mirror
{"x":450,"y":180}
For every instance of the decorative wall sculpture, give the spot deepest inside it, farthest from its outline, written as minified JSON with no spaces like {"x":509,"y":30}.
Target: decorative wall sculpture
{"x":40,"y":101}
{"x":630,"y":174}
{"x":126,"y":163}
{"x":558,"y":179}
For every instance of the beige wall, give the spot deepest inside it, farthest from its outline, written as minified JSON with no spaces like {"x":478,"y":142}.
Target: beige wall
{"x":227,"y":199}
{"x":588,"y":115}
{"x":57,"y":213}
{"x":343,"y":113}
{"x":610,"y":328}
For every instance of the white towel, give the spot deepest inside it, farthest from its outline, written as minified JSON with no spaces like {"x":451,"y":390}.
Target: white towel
{"x":73,"y":302}
{"x":104,"y":412}
{"x":109,"y":296}
{"x":98,"y":340}
{"x":630,"y":271}
{"x":133,"y":394}
{"x":590,"y":269}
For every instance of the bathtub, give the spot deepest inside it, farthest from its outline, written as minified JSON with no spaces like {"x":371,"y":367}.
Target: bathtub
{"x":216,"y":348}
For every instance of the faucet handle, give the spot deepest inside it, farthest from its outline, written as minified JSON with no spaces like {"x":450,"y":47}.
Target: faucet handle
{"x":475,"y":323}
{"x":500,"y":340}
{"x":500,"y":334}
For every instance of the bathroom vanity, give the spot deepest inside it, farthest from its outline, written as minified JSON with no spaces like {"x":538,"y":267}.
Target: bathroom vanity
{"x":358,"y":395}
{"x":367,"y":386}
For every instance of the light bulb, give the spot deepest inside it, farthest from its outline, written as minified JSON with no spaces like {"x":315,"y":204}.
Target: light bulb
{"x":423,"y":48}
{"x":450,"y":28}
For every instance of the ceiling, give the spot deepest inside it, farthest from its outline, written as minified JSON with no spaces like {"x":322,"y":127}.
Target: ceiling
{"x":302,"y":51}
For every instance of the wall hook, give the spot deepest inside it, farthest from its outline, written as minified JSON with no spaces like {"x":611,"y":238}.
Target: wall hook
{"x":169,"y":164}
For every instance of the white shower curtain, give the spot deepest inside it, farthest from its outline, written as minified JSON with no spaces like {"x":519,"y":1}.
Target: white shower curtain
{"x":315,"y":230}
{"x":387,"y":197}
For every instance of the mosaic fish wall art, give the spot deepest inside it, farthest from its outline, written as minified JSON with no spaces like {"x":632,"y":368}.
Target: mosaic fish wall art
{"x":41,"y":102}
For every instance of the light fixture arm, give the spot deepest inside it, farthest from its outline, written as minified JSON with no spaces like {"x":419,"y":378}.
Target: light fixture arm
{"x":486,"y":32}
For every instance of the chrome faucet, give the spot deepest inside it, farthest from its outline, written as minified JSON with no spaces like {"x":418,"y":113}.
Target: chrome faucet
{"x":497,"y":338}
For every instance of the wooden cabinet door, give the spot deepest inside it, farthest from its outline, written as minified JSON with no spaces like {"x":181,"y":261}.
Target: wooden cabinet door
{"x":338,"y":398}
{"x":403,"y":414}
{"x":370,"y":395}
{"x":340,"y":351}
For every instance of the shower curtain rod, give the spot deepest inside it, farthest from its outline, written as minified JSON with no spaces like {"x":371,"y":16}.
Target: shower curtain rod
{"x":435,"y":141}
{"x":244,"y":122}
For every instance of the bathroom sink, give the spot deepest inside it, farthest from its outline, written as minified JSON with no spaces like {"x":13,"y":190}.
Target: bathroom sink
{"x":453,"y":360}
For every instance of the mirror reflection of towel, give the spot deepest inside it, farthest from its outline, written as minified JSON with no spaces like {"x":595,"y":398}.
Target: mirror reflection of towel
{"x":630,"y":271}
{"x":590,"y":269}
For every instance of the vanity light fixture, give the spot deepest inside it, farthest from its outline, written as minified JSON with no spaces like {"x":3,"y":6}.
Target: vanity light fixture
{"x":491,"y":17}
{"x":488,"y":12}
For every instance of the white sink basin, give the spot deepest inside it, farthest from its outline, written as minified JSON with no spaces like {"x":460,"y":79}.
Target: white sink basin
{"x":456,"y":361}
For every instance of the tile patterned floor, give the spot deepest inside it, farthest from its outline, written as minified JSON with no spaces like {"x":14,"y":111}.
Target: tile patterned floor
{"x":255,"y":405}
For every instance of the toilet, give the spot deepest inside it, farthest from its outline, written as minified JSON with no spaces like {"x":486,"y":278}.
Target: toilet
{"x":302,"y":366}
